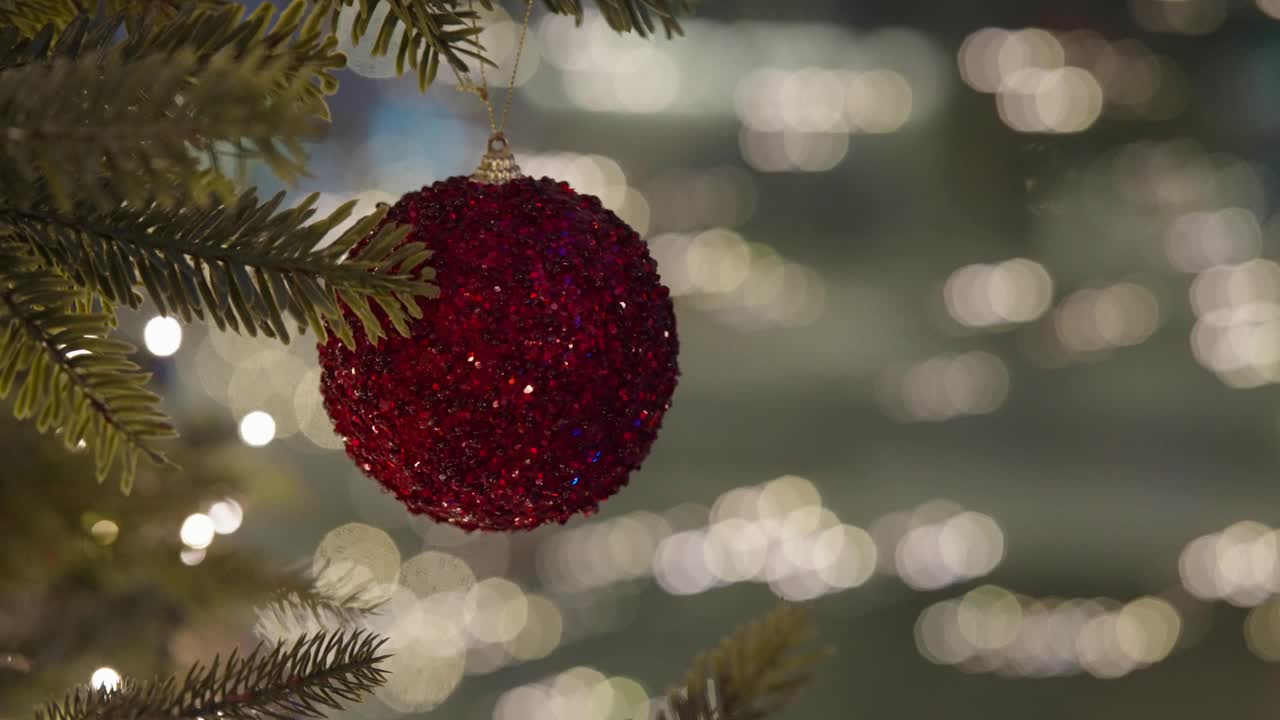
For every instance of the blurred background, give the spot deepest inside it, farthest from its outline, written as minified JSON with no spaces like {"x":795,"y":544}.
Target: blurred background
{"x":980,"y":336}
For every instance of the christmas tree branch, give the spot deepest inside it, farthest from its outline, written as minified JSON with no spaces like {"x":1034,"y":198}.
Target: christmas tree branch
{"x":73,"y":378}
{"x":301,"y":679}
{"x":752,"y":673}
{"x":31,"y":16}
{"x":162,"y":107}
{"x":447,"y":29}
{"x":65,"y":120}
{"x":243,"y":266}
{"x":636,"y":16}
{"x":422,"y":33}
{"x":337,"y":597}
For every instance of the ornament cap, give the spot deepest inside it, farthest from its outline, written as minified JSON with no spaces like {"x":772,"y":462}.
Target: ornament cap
{"x":498,"y":164}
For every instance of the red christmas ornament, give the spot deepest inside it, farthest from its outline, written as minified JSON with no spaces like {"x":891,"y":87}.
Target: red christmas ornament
{"x":537,"y":380}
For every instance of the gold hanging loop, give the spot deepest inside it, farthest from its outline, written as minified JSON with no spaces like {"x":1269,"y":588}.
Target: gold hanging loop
{"x":498,"y":164}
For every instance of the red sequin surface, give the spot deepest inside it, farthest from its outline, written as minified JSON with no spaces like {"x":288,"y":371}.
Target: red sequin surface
{"x":535,"y":383}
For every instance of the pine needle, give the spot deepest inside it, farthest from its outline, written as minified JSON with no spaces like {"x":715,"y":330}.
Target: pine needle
{"x":244,"y":266}
{"x":299,"y":679}
{"x":165,"y":109}
{"x":752,"y":673}
{"x":69,"y":375}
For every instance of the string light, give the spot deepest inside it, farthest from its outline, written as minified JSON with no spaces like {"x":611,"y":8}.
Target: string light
{"x":105,"y":678}
{"x":104,"y":532}
{"x":192,"y":556}
{"x":162,"y":336}
{"x":197,"y":531}
{"x":990,"y":629}
{"x":257,"y":428}
{"x":226,"y":516}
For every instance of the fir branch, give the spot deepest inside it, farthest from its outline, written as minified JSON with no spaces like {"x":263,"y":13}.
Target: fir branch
{"x":30,"y":16}
{"x":244,"y":266}
{"x":436,"y":30}
{"x":164,"y":107}
{"x":422,"y":33}
{"x":73,"y":378}
{"x":301,"y":679}
{"x":751,"y":674}
{"x":296,"y":43}
{"x":336,"y":597}
{"x":62,"y":121}
{"x":636,"y":16}
{"x":291,"y":614}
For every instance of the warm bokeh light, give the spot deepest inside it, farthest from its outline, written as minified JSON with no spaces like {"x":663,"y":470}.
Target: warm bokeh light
{"x":192,"y":556}
{"x":1013,"y":291}
{"x":162,"y":336}
{"x":104,"y":532}
{"x":937,"y":544}
{"x":1183,"y":17}
{"x":1240,"y":564}
{"x":1201,"y":240}
{"x":579,"y":693}
{"x":1091,"y":321}
{"x":744,"y":284}
{"x":257,"y":428}
{"x":105,"y":678}
{"x":227,"y":515}
{"x":991,"y":629}
{"x":197,"y":531}
{"x":1062,"y":82}
{"x":946,"y":387}
{"x":541,"y":635}
{"x":357,"y":560}
{"x":1262,"y":631}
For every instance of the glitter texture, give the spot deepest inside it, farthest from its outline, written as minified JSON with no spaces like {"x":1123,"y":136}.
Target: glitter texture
{"x":535,"y":383}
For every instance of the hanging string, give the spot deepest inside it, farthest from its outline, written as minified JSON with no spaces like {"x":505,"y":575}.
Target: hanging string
{"x":497,"y":125}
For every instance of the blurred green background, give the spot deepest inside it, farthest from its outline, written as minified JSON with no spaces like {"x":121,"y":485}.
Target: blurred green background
{"x":980,"y":333}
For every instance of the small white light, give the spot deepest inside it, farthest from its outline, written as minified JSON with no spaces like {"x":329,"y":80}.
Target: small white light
{"x":226,"y":516}
{"x":197,"y":531}
{"x":105,"y":678}
{"x":163,"y":336}
{"x":191,"y":557}
{"x":257,"y":428}
{"x":528,"y":389}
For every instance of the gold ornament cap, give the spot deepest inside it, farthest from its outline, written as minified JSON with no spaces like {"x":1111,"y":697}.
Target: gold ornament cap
{"x":498,"y":164}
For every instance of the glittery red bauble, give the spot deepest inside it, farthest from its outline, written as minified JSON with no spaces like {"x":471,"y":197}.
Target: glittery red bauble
{"x":537,"y":380}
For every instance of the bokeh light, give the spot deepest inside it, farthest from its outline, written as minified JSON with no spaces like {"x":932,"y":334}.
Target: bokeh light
{"x":104,"y":532}
{"x":257,"y":428}
{"x":1240,"y":564}
{"x":104,"y":678}
{"x":226,"y":515}
{"x":1013,"y":291}
{"x":741,"y":283}
{"x":937,"y":544}
{"x":357,"y":561}
{"x":991,"y":629}
{"x":945,"y":387}
{"x":162,"y":336}
{"x":197,"y":531}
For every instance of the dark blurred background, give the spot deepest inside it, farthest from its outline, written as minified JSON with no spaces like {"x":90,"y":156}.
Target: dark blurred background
{"x":980,"y":336}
